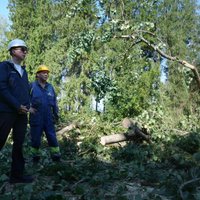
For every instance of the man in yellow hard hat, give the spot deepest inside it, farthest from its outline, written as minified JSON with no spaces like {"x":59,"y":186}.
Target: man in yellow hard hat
{"x":43,"y":101}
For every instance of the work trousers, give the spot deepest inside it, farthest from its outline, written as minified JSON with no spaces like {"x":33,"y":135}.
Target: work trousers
{"x":37,"y":131}
{"x":18,"y":124}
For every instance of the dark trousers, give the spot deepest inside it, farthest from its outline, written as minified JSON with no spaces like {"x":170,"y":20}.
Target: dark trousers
{"x":37,"y":131}
{"x":18,"y":124}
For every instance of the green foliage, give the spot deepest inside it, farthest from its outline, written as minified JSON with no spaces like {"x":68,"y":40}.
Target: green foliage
{"x":140,"y":154}
{"x":88,"y":169}
{"x":101,"y":84}
{"x":190,"y":143}
{"x":90,"y":53}
{"x":79,"y":41}
{"x":3,"y":30}
{"x":134,"y":93}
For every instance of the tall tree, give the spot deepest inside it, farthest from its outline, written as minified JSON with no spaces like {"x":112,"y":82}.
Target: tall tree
{"x":3,"y":39}
{"x":83,"y":44}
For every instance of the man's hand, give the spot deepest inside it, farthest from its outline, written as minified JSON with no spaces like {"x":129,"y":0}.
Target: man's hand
{"x":32,"y":110}
{"x":23,"y":110}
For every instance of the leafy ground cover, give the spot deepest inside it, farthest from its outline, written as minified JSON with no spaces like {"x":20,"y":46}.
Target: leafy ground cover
{"x":165,"y":169}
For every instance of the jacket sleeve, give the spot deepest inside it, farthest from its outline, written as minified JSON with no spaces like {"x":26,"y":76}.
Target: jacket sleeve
{"x":55,"y":107}
{"x":5,"y":93}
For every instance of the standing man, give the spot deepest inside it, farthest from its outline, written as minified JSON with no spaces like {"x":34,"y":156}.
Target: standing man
{"x":14,"y":105}
{"x":43,"y":101}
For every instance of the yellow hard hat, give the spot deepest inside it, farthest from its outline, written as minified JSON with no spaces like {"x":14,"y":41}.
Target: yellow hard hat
{"x":42,"y":68}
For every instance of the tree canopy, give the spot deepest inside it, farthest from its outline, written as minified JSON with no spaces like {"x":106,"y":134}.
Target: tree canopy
{"x":80,"y":42}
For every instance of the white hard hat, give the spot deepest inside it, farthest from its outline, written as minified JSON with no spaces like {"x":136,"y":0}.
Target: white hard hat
{"x":16,"y":43}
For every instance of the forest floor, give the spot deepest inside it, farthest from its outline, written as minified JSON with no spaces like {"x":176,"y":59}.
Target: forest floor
{"x":91,"y":171}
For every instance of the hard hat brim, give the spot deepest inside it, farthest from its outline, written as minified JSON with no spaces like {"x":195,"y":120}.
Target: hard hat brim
{"x":43,"y":71}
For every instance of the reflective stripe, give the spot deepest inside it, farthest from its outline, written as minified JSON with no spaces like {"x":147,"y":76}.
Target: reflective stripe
{"x":54,"y":150}
{"x":35,"y":151}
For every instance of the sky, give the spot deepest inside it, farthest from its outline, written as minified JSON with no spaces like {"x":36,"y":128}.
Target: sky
{"x":3,"y":10}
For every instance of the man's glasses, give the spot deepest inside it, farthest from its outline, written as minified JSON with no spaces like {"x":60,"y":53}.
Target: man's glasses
{"x":23,"y":49}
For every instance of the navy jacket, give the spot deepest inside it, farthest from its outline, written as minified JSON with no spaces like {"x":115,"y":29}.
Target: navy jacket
{"x":14,"y":89}
{"x":44,"y":101}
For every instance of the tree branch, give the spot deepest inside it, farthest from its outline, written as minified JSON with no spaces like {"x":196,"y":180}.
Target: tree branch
{"x":164,"y":55}
{"x":182,"y":62}
{"x":186,"y":183}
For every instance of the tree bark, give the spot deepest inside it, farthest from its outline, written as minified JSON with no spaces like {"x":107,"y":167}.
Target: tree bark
{"x":130,"y":135}
{"x":66,"y":129}
{"x":110,"y":139}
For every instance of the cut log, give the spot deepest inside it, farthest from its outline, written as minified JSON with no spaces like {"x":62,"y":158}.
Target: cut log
{"x":134,"y":128}
{"x":133,"y":133}
{"x":66,"y":129}
{"x":110,"y":139}
{"x":128,"y":123}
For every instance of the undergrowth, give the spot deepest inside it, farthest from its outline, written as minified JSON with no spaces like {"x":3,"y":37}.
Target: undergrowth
{"x":167,"y":168}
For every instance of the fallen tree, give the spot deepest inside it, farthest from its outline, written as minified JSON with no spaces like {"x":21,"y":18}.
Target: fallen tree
{"x":134,"y":132}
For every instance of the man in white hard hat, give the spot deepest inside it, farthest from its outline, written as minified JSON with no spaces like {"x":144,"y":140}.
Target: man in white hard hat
{"x":14,"y":106}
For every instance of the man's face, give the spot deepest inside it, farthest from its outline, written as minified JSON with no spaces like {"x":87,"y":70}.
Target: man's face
{"x":43,"y":75}
{"x":20,"y":52}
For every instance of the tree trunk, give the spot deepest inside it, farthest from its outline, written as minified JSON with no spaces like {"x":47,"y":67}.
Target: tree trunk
{"x":132,"y":134}
{"x":66,"y":129}
{"x":110,"y":139}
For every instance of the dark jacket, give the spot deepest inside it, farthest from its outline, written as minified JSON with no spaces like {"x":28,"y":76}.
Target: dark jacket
{"x":44,"y":101}
{"x":14,"y":89}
